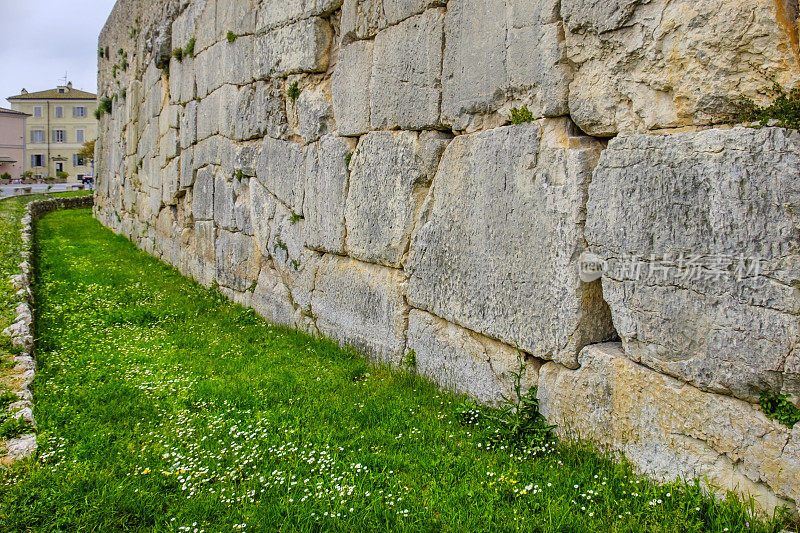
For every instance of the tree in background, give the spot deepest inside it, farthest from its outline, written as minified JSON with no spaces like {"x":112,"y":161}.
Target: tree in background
{"x":87,"y":151}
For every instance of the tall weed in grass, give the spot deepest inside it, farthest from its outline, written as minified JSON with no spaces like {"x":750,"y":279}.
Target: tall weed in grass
{"x":163,"y":407}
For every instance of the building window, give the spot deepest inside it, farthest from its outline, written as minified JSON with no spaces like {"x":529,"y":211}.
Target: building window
{"x":78,"y":112}
{"x":62,"y":90}
{"x":37,"y":111}
{"x":59,"y":112}
{"x":37,"y":160}
{"x":79,"y":135}
{"x":37,"y":136}
{"x":78,"y":161}
{"x":59,"y":136}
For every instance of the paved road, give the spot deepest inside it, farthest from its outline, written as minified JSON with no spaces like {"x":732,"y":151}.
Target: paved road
{"x":11,"y":190}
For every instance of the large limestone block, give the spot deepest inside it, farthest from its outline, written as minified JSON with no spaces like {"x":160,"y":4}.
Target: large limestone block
{"x":405,"y":91}
{"x":271,"y":298}
{"x":203,"y":194}
{"x":700,"y":232}
{"x":232,"y":204}
{"x":277,"y":13}
{"x":361,"y":305}
{"x":202,"y":257}
{"x":299,"y":47}
{"x":645,"y":65}
{"x":296,"y":264}
{"x":349,"y":91}
{"x":326,"y":196}
{"x":237,"y":59}
{"x":466,"y":362}
{"x":387,"y":187}
{"x":282,"y":170}
{"x":497,"y":247}
{"x":262,"y":212}
{"x":314,"y":112}
{"x":188,"y":125}
{"x":252,"y":112}
{"x":362,"y":19}
{"x":237,"y":262}
{"x":671,"y":430}
{"x":238,"y":16}
{"x":499,"y":53}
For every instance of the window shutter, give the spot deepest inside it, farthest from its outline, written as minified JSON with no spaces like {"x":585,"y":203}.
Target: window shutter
{"x":33,"y":161}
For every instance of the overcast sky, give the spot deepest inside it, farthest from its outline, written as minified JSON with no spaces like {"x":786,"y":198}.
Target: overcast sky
{"x":41,"y":40}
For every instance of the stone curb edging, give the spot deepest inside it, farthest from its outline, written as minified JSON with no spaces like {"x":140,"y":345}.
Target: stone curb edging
{"x":21,"y":331}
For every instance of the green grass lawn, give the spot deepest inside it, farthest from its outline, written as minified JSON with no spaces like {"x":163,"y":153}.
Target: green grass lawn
{"x":163,"y":407}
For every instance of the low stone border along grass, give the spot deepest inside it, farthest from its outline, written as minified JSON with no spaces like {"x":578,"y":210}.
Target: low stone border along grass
{"x":163,"y":407}
{"x":17,"y":365}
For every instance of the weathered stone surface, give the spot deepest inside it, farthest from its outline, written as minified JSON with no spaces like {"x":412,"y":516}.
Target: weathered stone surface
{"x":405,"y":90}
{"x":671,"y":430}
{"x":272,"y":14}
{"x":259,"y":111}
{"x":236,"y":261}
{"x":300,"y":47}
{"x":362,"y":19}
{"x":262,"y":211}
{"x":282,"y":169}
{"x":203,"y":194}
{"x":499,"y":53}
{"x":188,"y":125}
{"x":187,"y":169}
{"x":496,"y":250}
{"x":361,"y":305}
{"x":232,"y":204}
{"x":314,"y":112}
{"x":644,"y":65}
{"x":271,"y":298}
{"x":466,"y":362}
{"x":350,"y":93}
{"x":326,"y":196}
{"x":296,"y":264}
{"x":237,"y":59}
{"x":202,"y":257}
{"x":387,"y":187}
{"x":690,"y":208}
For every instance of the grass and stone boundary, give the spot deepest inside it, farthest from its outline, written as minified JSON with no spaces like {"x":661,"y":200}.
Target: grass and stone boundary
{"x":20,"y":397}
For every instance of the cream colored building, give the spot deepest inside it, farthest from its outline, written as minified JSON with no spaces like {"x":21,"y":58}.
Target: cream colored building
{"x":60,"y":121}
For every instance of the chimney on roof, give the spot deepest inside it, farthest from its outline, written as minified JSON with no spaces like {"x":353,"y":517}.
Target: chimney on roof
{"x":69,"y":85}
{"x":24,"y":91}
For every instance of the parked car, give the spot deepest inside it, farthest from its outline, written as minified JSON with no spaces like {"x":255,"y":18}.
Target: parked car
{"x":88,"y":179}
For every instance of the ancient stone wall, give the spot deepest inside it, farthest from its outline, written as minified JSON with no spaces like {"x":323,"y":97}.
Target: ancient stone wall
{"x":345,"y":167}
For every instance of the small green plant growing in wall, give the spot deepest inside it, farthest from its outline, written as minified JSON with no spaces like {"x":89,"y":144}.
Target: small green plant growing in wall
{"x":100,"y":52}
{"x":785,"y":108}
{"x":178,"y":54}
{"x":295,"y":218}
{"x":188,"y":50}
{"x":239,"y":175}
{"x":231,"y":36}
{"x":778,"y":407}
{"x":280,"y":245}
{"x":106,"y":105}
{"x":293,"y":92}
{"x":520,"y":115}
{"x":348,"y":158}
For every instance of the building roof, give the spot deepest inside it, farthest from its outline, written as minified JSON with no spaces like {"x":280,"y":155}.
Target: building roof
{"x":53,"y":94}
{"x":12,"y":112}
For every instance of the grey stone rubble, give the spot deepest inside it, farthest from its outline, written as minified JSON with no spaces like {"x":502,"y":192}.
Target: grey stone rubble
{"x":21,"y":330}
{"x":347,"y":167}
